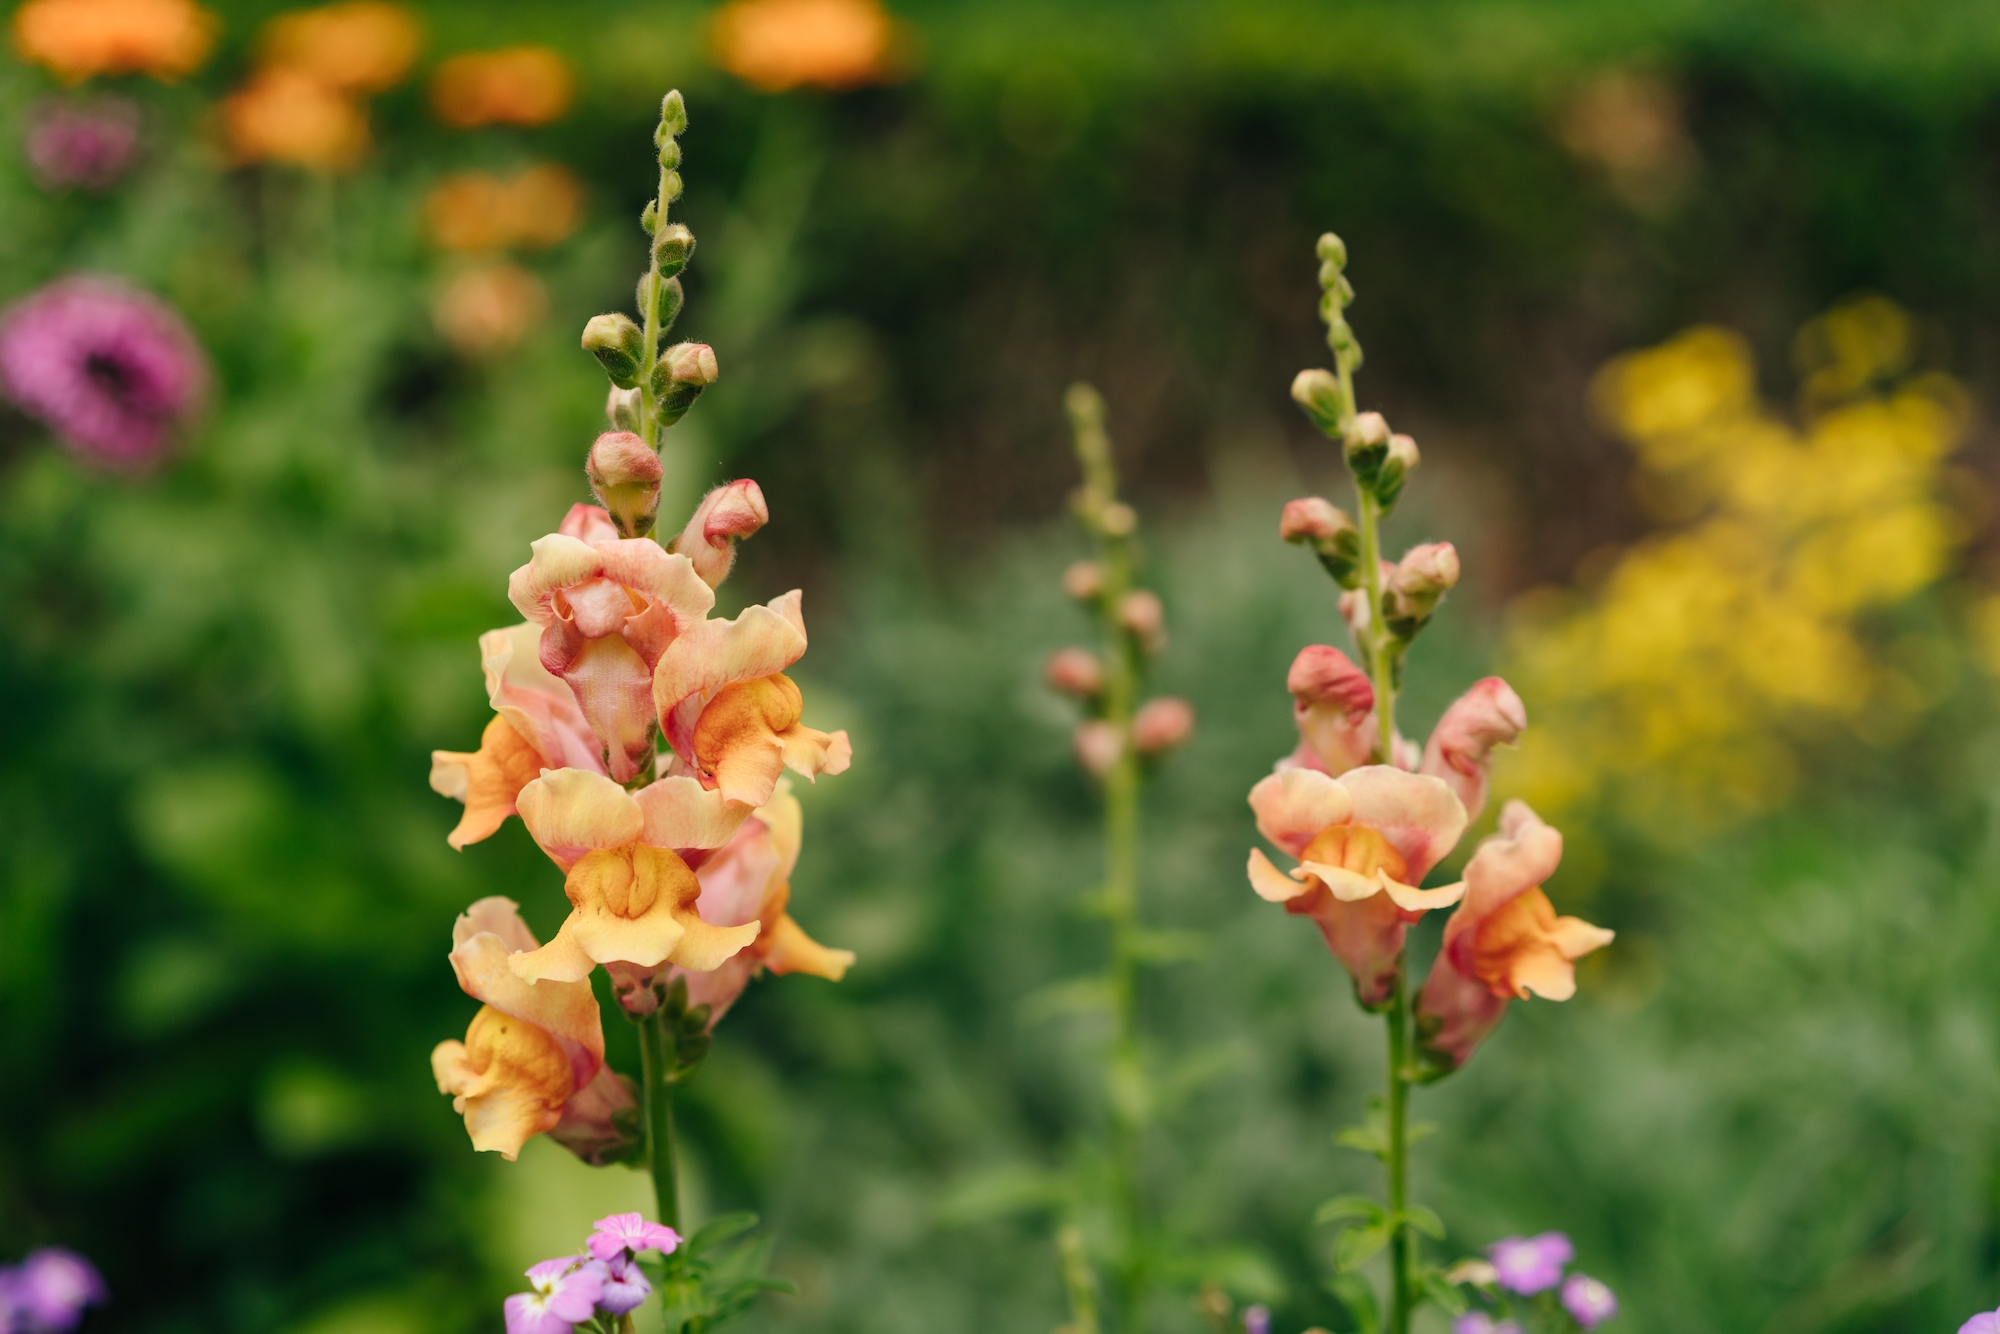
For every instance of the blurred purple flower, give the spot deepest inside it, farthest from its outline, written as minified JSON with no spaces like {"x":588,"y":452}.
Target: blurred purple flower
{"x":566,"y":1291}
{"x":631,"y":1232}
{"x":113,"y":370}
{"x":88,"y":143}
{"x":1257,"y":1320}
{"x":1986,"y":1322}
{"x":1589,"y":1301}
{"x":47,"y":1292}
{"x":1529,"y":1265}
{"x":1479,"y":1322}
{"x":625,"y":1286}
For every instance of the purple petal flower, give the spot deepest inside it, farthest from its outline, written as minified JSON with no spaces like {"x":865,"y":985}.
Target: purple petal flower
{"x":565,"y":1293}
{"x":631,"y":1232}
{"x":113,"y":370}
{"x":1257,"y":1320}
{"x":47,"y":1292}
{"x":88,"y":143}
{"x":625,"y":1286}
{"x":1591,"y":1302}
{"x":1529,"y":1265}
{"x":1473,"y":1322}
{"x":1987,"y":1322}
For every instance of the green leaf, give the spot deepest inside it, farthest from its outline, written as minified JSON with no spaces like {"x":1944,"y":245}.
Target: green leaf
{"x":718,"y":1230}
{"x":1354,"y":1293}
{"x":1168,"y":946}
{"x":1419,"y":1132}
{"x":1080,"y":996}
{"x":1348,"y":1206}
{"x":1356,"y":1246}
{"x":1425,"y":1221}
{"x":1366,"y":1139}
{"x":1444,"y":1294}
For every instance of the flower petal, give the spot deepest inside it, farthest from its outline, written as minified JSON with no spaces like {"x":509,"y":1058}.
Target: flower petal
{"x":1461,"y":746}
{"x":509,"y":1079}
{"x":539,"y":704}
{"x":791,"y":950}
{"x":711,"y":654}
{"x":1455,"y":1014}
{"x":1420,"y":815}
{"x":487,"y":780}
{"x":567,"y":1010}
{"x":1295,"y":804}
{"x":1271,"y":884}
{"x":572,"y":811}
{"x":681,"y":814}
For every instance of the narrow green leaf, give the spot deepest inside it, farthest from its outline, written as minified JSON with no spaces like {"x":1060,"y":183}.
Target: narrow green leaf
{"x":1353,"y":1292}
{"x":1348,"y":1206}
{"x":718,"y":1230}
{"x":1356,"y":1246}
{"x":1425,"y":1221}
{"x":1365,"y":1140}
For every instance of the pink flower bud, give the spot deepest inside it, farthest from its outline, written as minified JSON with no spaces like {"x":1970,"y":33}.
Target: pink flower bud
{"x":1461,"y":747}
{"x":1370,"y":429}
{"x":1417,"y":584}
{"x":683,"y":371}
{"x":1074,"y":671}
{"x":1141,"y":613}
{"x":588,"y":523}
{"x":1098,"y":746}
{"x":625,"y":477}
{"x":1083,"y":580}
{"x":725,"y":516}
{"x":1314,"y":522}
{"x":1333,"y":703}
{"x":1318,"y":392}
{"x":1397,"y":465}
{"x":1162,"y":724}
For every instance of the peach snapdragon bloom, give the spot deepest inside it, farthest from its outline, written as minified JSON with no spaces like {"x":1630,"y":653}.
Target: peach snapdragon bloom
{"x":748,"y":880}
{"x":1364,"y":842}
{"x":627,"y":857}
{"x":533,"y":1059}
{"x":76,"y":39}
{"x":1505,"y":942}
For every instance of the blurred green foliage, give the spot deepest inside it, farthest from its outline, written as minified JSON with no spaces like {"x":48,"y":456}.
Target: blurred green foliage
{"x":224,"y":891}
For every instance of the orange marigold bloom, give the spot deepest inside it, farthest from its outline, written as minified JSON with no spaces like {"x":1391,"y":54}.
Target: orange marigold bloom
{"x":78,"y":38}
{"x":778,"y":44}
{"x":533,"y":209}
{"x":283,"y":115}
{"x":360,"y":46}
{"x":517,"y":85}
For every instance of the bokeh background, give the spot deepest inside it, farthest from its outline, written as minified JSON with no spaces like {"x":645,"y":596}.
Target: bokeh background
{"x":1743,"y":583}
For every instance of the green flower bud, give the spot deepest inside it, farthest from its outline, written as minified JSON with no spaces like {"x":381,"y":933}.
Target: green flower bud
{"x":1397,"y":465}
{"x":673,"y":114}
{"x":1367,"y":444}
{"x":672,"y":246}
{"x":684,"y":370}
{"x":1416,"y":586}
{"x":621,"y":409}
{"x":670,"y":154}
{"x":1314,"y":522}
{"x":672,"y":186}
{"x":649,"y":217}
{"x":1332,"y":249}
{"x":617,"y":343}
{"x":1318,"y":392}
{"x":668,"y":302}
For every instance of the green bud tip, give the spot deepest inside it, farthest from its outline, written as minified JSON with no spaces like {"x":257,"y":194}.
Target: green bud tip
{"x":672,"y":247}
{"x":674,"y":113}
{"x":1332,"y":250}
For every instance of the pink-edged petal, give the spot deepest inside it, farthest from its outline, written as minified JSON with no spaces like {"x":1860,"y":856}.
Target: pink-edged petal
{"x":725,"y":516}
{"x":676,"y":598}
{"x":495,"y":915}
{"x":762,"y":641}
{"x":556,"y":561}
{"x":1455,"y":1013}
{"x":1461,"y":746}
{"x":570,"y":812}
{"x":566,"y":1010}
{"x":1271,"y":884}
{"x":681,"y":814}
{"x":537,"y":703}
{"x":1333,"y":703}
{"x":1524,"y":854}
{"x":614,"y":688}
{"x":1418,"y":814}
{"x":589,"y":523}
{"x":1295,"y":804}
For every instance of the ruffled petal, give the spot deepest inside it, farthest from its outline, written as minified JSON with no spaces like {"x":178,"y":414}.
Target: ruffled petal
{"x":739,"y":743}
{"x":791,"y":950}
{"x":1461,"y":746}
{"x":1271,"y":884}
{"x":487,"y":780}
{"x":509,"y":1079}
{"x":1293,"y":805}
{"x":539,"y":704}
{"x":570,"y":812}
{"x":711,"y":654}
{"x":566,"y":1010}
{"x":680,"y":813}
{"x":1419,"y":815}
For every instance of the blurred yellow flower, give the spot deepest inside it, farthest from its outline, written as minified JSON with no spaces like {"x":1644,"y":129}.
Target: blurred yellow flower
{"x":1682,"y":680}
{"x":531,"y":210}
{"x":778,"y":44}
{"x":489,"y":309}
{"x":518,"y":85}
{"x":362,"y":46}
{"x":283,"y":115}
{"x":79,"y":38}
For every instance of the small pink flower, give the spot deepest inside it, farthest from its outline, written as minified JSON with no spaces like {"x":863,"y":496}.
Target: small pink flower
{"x":47,"y":1292}
{"x":1589,"y":1301}
{"x":625,"y":1286}
{"x":1986,"y":1322}
{"x":1529,"y":1265}
{"x":565,"y":1294}
{"x":86,"y":144}
{"x":619,"y":1233}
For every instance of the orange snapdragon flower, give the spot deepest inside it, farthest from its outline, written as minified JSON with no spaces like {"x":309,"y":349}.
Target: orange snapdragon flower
{"x":76,"y":39}
{"x":517,"y":85}
{"x":773,"y":45}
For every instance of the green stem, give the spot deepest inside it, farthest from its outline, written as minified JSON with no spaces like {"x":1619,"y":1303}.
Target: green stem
{"x":1402,"y":1241}
{"x":1125,"y":1073}
{"x":649,"y":408}
{"x":658,"y":1070}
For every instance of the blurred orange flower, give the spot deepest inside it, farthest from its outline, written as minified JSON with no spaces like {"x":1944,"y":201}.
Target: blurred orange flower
{"x":518,"y":85}
{"x":283,"y":115}
{"x":362,"y":46}
{"x":778,"y":44}
{"x":531,"y":210}
{"x":489,"y":309}
{"x":79,"y":38}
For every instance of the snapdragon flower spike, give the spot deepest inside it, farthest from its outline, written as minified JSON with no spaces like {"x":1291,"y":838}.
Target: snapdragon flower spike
{"x":1365,"y":841}
{"x":1528,"y":1265}
{"x":747,"y":881}
{"x":1504,"y":943}
{"x":1589,"y":1302}
{"x":621,"y":1234}
{"x":48,"y":1291}
{"x":565,"y":1295}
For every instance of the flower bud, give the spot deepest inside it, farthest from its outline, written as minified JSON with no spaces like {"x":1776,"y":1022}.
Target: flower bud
{"x":1161,"y":724}
{"x":673,"y":114}
{"x":668,"y":299}
{"x":672,"y":246}
{"x":1140,"y":612}
{"x":684,"y":370}
{"x":1118,"y":519}
{"x":649,"y":216}
{"x":1098,"y":746}
{"x":1074,"y":671}
{"x":621,"y":409}
{"x":1397,"y":466}
{"x":1311,"y":521}
{"x":625,"y":477}
{"x":617,"y":343}
{"x":670,"y":154}
{"x":1367,"y":445}
{"x":726,"y":516}
{"x":1331,"y":249}
{"x":1416,"y":586}
{"x":1318,"y":392}
{"x":1083,"y":580}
